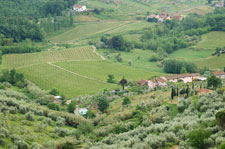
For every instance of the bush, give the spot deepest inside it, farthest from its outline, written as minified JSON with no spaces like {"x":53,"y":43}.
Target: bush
{"x":155,"y":58}
{"x":60,"y":122}
{"x":21,"y":144}
{"x":126,"y":101}
{"x":197,"y":138}
{"x":36,"y":146}
{"x":53,"y":106}
{"x":62,"y":132}
{"x":86,"y":127}
{"x":102,"y":104}
{"x":30,"y":116}
{"x":4,"y":131}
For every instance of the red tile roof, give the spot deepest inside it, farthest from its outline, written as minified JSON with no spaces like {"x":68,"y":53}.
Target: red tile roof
{"x":179,"y":76}
{"x":218,"y":73}
{"x":77,"y":6}
{"x":142,"y":82}
{"x":203,"y":90}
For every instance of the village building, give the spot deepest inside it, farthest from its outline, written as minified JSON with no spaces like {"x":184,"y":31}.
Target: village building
{"x":57,"y":99}
{"x":219,"y":5}
{"x":79,"y":8}
{"x":187,"y":77}
{"x":162,"y":17}
{"x":219,"y":74}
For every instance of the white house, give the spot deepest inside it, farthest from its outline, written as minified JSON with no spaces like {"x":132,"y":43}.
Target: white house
{"x":79,"y":8}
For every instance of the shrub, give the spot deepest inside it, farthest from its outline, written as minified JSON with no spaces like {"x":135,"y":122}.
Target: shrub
{"x":155,"y":58}
{"x":21,"y":144}
{"x":62,"y":132}
{"x":102,"y":104}
{"x":197,"y":138}
{"x":4,"y":131}
{"x":30,"y":116}
{"x":36,"y":146}
{"x":13,"y":110}
{"x":126,"y":101}
{"x":53,"y":106}
{"x":222,"y":146}
{"x":60,"y":122}
{"x":86,"y":127}
{"x":15,"y":138}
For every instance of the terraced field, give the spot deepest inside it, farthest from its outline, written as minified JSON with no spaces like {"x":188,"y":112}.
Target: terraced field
{"x":21,"y":60}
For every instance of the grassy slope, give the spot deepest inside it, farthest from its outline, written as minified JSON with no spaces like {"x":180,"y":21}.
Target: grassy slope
{"x":201,"y":52}
{"x":101,"y":69}
{"x":142,"y":63}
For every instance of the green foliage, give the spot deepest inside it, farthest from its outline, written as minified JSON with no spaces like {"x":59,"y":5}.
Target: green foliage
{"x":222,"y":146}
{"x":126,"y":101}
{"x":30,"y":116}
{"x":53,"y":106}
{"x":214,"y":82}
{"x":220,"y":118}
{"x":85,"y":127}
{"x":111,"y":78}
{"x":183,"y":70}
{"x":103,"y":104}
{"x":71,"y":107}
{"x":155,"y":58}
{"x":221,"y":90}
{"x":197,"y":138}
{"x":54,"y":92}
{"x":13,"y":77}
{"x":118,"y":43}
{"x":175,"y":66}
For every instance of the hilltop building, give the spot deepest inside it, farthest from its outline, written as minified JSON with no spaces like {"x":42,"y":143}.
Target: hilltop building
{"x":79,"y":8}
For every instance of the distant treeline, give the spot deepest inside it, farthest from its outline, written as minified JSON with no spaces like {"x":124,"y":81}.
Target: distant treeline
{"x":172,"y":35}
{"x":34,"y":8}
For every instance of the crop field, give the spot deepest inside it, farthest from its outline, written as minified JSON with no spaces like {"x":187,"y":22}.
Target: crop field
{"x":86,"y":30}
{"x":72,"y":72}
{"x":48,"y":77}
{"x":20,"y":60}
{"x":101,"y":69}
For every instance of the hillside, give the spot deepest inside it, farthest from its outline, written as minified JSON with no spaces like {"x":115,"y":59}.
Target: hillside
{"x":111,"y":74}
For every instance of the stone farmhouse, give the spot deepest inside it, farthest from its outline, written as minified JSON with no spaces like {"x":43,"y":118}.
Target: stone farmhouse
{"x":219,"y":74}
{"x":162,"y":17}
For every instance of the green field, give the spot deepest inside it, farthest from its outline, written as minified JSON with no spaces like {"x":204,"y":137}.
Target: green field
{"x":140,"y":63}
{"x":101,"y":69}
{"x":86,"y":30}
{"x":20,"y":60}
{"x":211,"y":41}
{"x":49,"y":77}
{"x":72,"y":72}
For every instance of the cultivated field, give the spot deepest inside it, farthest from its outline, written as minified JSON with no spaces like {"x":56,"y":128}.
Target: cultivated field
{"x":101,"y":69}
{"x":20,"y":60}
{"x":72,"y":72}
{"x":83,"y":31}
{"x":67,"y":83}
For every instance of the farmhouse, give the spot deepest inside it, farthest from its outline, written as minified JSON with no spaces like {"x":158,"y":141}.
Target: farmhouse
{"x":80,"y":111}
{"x":162,"y":17}
{"x":219,"y":74}
{"x":79,"y":8}
{"x":157,"y":82}
{"x":183,"y":77}
{"x":219,"y":5}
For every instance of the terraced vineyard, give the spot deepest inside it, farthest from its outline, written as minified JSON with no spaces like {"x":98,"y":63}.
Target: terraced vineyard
{"x":20,"y":60}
